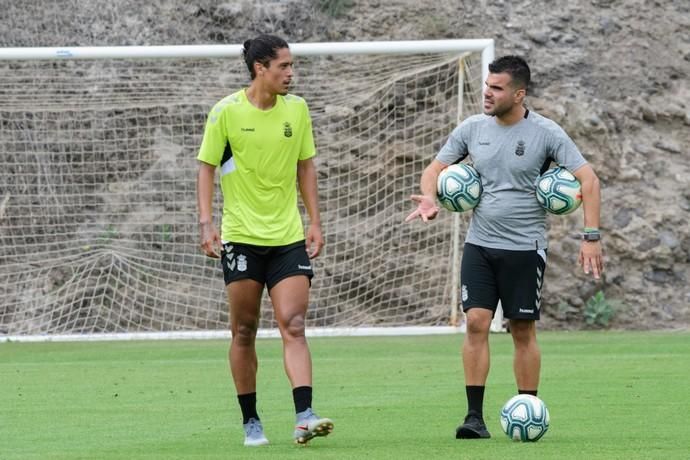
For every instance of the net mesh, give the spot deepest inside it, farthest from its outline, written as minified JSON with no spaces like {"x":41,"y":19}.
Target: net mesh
{"x":98,"y":198}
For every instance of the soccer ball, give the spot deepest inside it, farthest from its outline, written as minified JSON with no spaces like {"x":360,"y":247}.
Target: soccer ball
{"x":525,"y":418}
{"x":558,"y":191}
{"x":459,"y":187}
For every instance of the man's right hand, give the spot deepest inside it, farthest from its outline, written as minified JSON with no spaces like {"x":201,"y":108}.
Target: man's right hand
{"x":426,"y":208}
{"x":210,"y":240}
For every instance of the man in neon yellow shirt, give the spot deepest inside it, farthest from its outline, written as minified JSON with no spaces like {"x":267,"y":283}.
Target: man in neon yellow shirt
{"x":261,"y":138}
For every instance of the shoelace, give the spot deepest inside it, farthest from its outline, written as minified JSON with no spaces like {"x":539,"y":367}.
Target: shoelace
{"x":254,"y":428}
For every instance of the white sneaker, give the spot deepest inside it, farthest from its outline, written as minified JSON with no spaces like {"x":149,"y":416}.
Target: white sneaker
{"x":254,"y":433}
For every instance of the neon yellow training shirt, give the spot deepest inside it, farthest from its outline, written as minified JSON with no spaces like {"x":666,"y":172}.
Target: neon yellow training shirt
{"x":257,"y":151}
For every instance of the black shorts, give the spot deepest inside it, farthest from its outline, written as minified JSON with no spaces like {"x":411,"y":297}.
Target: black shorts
{"x":266,"y":264}
{"x":514,"y":277}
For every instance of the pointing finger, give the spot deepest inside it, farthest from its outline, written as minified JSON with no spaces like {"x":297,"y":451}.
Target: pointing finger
{"x":412,"y":215}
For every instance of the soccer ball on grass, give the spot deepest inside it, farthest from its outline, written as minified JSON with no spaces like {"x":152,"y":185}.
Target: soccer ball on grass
{"x":525,"y":418}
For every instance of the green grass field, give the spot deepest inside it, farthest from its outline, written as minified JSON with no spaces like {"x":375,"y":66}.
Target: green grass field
{"x":619,"y":395}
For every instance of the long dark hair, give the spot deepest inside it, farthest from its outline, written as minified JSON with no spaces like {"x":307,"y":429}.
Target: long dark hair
{"x":261,"y":49}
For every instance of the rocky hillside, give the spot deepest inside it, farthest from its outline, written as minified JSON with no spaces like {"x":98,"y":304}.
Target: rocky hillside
{"x":613,"y":73}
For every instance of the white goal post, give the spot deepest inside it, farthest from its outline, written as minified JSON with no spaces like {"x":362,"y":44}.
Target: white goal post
{"x":98,"y":165}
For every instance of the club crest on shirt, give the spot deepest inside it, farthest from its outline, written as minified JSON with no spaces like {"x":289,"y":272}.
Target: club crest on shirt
{"x":241,"y":263}
{"x":287,"y":129}
{"x":520,"y":149}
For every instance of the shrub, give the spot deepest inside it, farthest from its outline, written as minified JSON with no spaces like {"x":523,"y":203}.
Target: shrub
{"x":599,"y":311}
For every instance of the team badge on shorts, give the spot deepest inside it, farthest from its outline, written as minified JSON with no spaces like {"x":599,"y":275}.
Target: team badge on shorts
{"x":241,"y":263}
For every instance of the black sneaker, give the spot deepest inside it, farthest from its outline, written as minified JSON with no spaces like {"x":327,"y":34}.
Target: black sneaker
{"x":473,"y":428}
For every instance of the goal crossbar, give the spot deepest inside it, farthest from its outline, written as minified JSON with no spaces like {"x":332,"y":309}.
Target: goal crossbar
{"x":483,"y":45}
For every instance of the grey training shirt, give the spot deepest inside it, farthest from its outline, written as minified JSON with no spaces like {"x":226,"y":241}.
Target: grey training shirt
{"x":509,"y":160}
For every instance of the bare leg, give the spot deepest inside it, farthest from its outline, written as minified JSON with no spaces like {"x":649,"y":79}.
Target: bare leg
{"x":475,"y":349}
{"x":245,"y":301}
{"x":527,"y":359}
{"x":475,"y":361}
{"x":290,"y":299}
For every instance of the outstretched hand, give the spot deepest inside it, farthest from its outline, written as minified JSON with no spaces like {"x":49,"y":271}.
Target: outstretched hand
{"x":426,"y":208}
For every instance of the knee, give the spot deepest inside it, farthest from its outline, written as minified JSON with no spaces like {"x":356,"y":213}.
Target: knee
{"x":244,"y":333}
{"x":476,"y":328}
{"x":293,"y":327}
{"x":524,"y":333}
{"x":478,"y":323}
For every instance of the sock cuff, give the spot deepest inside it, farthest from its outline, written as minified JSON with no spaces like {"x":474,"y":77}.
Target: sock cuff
{"x":302,"y":388}
{"x":527,"y":392}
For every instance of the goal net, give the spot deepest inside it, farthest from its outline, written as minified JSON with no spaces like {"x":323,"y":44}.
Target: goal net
{"x":98,"y":211}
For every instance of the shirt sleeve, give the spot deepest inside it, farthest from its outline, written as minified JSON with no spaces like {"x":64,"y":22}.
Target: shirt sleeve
{"x":564,"y":151}
{"x":308,"y":148}
{"x":215,"y":138}
{"x":455,"y":148}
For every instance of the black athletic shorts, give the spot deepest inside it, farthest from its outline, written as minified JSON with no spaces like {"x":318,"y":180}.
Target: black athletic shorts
{"x":514,"y":277}
{"x":266,"y":264}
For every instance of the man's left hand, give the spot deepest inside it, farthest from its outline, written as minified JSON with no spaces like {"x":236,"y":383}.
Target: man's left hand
{"x":591,"y":258}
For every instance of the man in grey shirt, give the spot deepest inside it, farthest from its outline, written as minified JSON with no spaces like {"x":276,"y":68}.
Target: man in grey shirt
{"x":504,"y":257}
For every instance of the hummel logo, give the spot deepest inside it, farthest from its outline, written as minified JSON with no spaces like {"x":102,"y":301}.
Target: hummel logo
{"x":484,"y":143}
{"x":304,"y":267}
{"x":525,"y":310}
{"x":247,"y":130}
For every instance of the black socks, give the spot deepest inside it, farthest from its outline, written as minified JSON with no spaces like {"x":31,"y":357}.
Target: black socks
{"x":248,"y":406}
{"x":528,"y":392}
{"x":302,"y":398}
{"x":475,"y":399}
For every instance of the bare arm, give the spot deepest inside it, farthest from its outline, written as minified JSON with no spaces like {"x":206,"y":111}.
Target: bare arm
{"x":210,"y":239}
{"x":306,"y":177}
{"x":426,"y":202}
{"x":590,"y":251}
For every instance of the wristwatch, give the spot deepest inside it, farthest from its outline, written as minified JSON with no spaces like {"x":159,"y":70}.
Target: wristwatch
{"x":591,"y":236}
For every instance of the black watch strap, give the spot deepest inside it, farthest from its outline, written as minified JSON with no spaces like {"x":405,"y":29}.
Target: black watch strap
{"x":591,"y":236}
